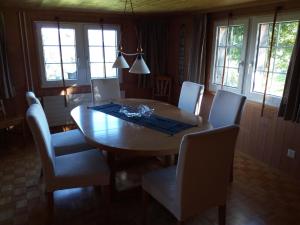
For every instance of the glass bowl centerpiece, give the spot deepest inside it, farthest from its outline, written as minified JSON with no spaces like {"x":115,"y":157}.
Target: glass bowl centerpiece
{"x":136,"y":111}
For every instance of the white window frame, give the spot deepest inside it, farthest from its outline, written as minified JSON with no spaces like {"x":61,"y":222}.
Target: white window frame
{"x":250,"y":61}
{"x":213,"y":86}
{"x":88,"y":26}
{"x":250,"y":37}
{"x":81,"y":38}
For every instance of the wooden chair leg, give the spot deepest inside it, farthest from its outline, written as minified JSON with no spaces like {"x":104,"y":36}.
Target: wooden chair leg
{"x":145,"y":199}
{"x":106,"y":192}
{"x":231,"y":173}
{"x":222,"y":214}
{"x":50,"y":202}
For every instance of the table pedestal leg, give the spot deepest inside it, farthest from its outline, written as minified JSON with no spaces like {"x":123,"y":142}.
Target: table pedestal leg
{"x":112,"y":166}
{"x":169,"y":160}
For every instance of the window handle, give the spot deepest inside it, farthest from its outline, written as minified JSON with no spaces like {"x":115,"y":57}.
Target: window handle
{"x":241,"y":64}
{"x":78,"y":61}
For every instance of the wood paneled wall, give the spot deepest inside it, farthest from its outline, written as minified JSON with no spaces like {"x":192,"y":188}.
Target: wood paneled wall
{"x":17,"y":105}
{"x":266,"y":138}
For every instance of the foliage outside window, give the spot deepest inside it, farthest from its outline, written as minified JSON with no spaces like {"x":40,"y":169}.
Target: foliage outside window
{"x":284,"y":40}
{"x":247,"y":46}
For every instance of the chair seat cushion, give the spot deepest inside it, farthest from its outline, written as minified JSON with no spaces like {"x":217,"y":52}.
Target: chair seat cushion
{"x":69,"y":142}
{"x":161,"y":184}
{"x":80,"y":169}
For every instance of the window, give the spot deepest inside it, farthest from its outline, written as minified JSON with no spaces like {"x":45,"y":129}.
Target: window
{"x":247,"y":46}
{"x":84,"y":54}
{"x":102,"y":58}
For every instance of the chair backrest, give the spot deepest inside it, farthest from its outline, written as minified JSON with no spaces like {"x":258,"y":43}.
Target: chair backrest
{"x":226,"y":109}
{"x":31,"y":98}
{"x":162,"y":87}
{"x":203,"y":169}
{"x":105,"y":89}
{"x":190,"y":97}
{"x":38,"y":124}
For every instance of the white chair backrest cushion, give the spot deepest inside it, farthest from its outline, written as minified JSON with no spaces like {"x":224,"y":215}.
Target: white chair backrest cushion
{"x":203,"y":169}
{"x":38,"y":124}
{"x":190,"y":97}
{"x":105,"y":89}
{"x":31,"y":98}
{"x":226,"y":109}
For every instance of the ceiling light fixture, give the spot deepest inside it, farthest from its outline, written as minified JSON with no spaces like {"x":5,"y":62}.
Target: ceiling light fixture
{"x":139,"y":66}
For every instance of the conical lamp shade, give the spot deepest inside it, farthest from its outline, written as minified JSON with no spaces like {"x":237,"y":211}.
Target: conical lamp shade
{"x":139,"y":66}
{"x":120,"y":62}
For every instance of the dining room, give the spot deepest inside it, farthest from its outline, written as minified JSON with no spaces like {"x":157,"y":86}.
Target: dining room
{"x":129,"y":112}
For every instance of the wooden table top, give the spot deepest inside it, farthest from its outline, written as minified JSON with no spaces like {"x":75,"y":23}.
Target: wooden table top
{"x":113,"y":134}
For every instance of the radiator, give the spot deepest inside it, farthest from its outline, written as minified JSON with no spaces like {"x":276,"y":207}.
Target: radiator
{"x":55,"y":110}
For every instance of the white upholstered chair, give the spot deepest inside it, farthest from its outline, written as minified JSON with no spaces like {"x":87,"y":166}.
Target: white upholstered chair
{"x":79,"y":169}
{"x":201,"y":177}
{"x":105,"y":89}
{"x":32,"y":99}
{"x":63,"y":142}
{"x":191,"y":97}
{"x":226,"y":109}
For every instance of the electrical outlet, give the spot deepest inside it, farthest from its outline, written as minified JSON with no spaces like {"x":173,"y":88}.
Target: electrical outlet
{"x":291,"y":153}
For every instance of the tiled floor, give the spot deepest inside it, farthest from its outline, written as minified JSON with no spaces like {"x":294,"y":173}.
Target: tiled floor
{"x":258,"y":196}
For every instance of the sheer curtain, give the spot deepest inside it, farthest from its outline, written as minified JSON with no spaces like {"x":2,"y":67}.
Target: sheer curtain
{"x":290,"y":103}
{"x":6,"y":88}
{"x":196,"y":67}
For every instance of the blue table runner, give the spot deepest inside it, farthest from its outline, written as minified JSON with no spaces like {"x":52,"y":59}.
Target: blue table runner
{"x":154,"y":122}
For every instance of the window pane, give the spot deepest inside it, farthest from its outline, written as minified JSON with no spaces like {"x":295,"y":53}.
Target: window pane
{"x":259,"y":82}
{"x":67,"y":36}
{"x":222,"y":36}
{"x":70,"y":71}
{"x":51,"y":54}
{"x":231,"y":78}
{"x":262,"y":59}
{"x":233,"y":57}
{"x":49,"y":36}
{"x":287,"y":34}
{"x":96,"y":54}
{"x":276,"y":84}
{"x":220,"y":56}
{"x":110,"y":54}
{"x":95,"y":37}
{"x":68,"y":54}
{"x":283,"y":56}
{"x":236,"y":36}
{"x":284,"y":39}
{"x":97,"y":70}
{"x":264,"y":35}
{"x":218,"y":75}
{"x":53,"y":72}
{"x":110,"y":38}
{"x":110,"y":72}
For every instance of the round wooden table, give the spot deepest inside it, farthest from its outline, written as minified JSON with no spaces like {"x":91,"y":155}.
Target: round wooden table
{"x":115,"y":135}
